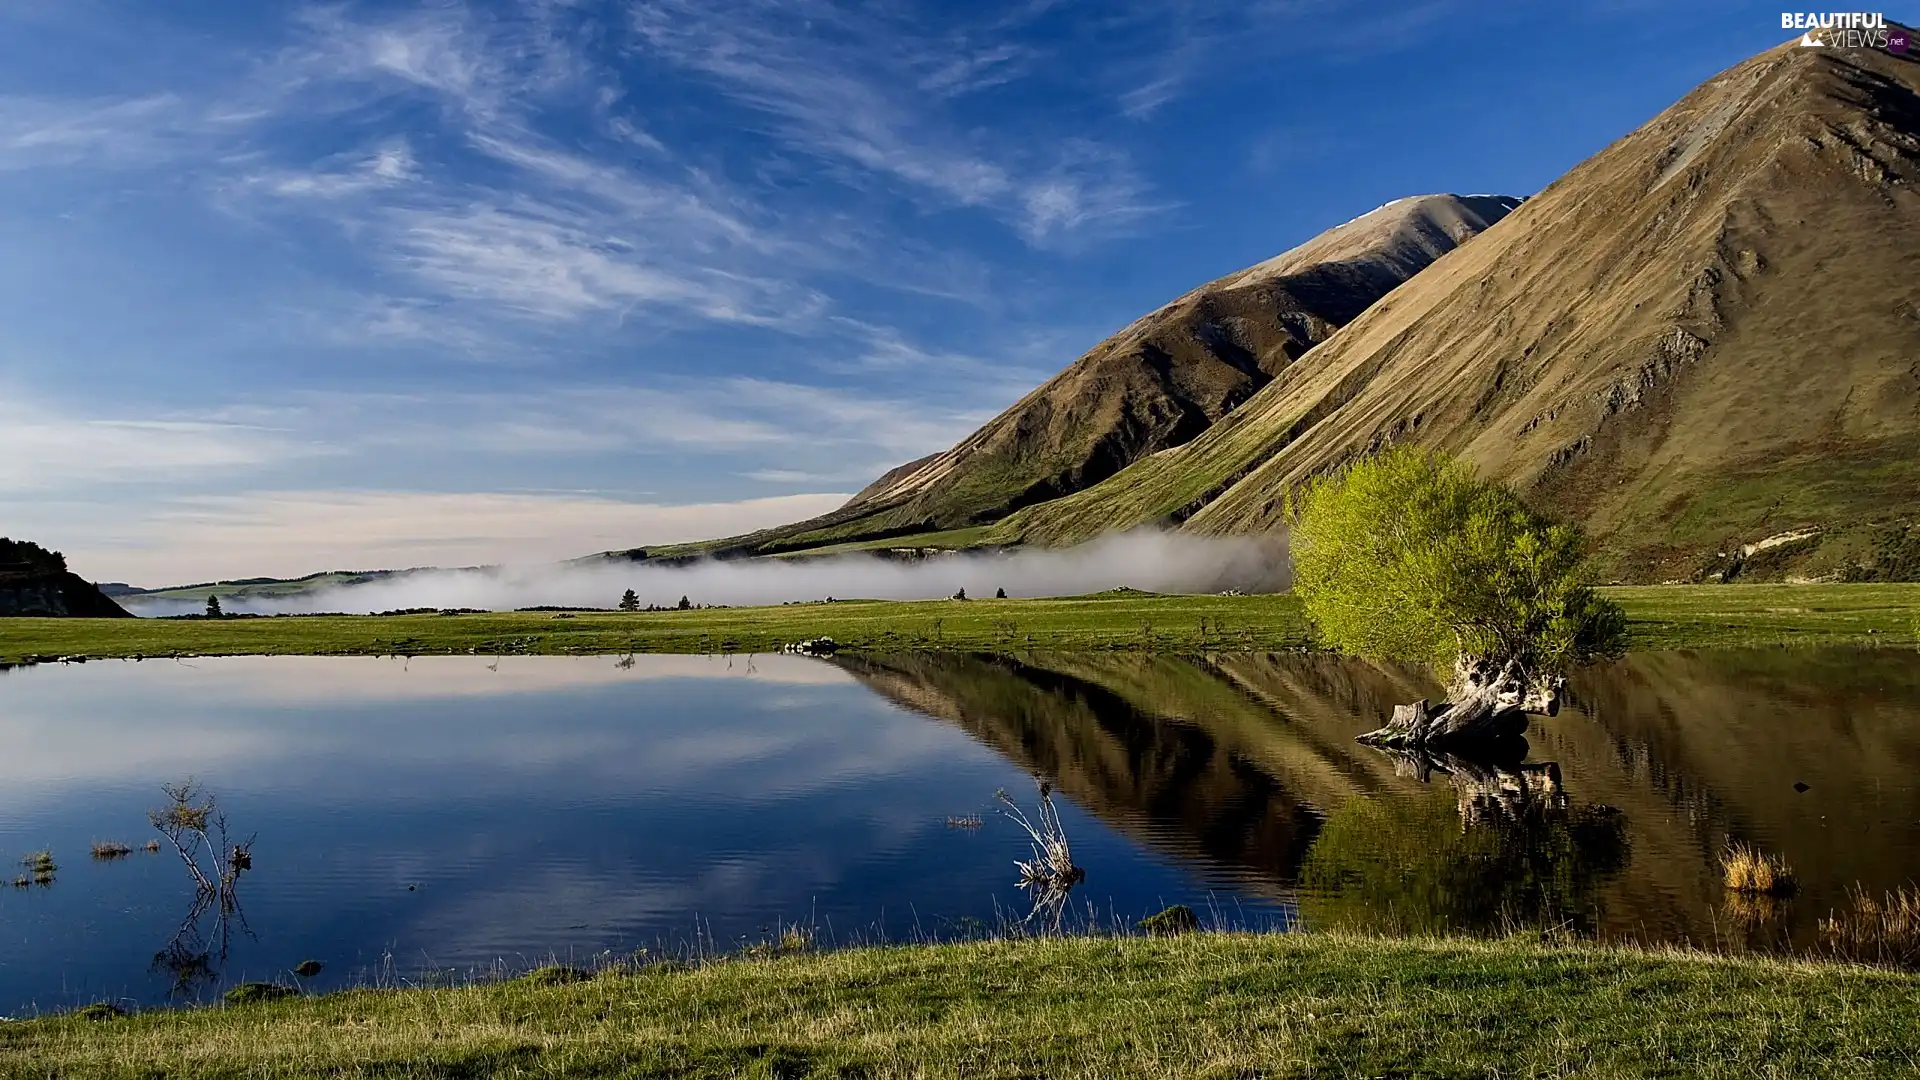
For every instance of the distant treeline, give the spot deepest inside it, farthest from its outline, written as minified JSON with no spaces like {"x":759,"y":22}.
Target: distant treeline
{"x":333,"y":614}
{"x":26,"y":555}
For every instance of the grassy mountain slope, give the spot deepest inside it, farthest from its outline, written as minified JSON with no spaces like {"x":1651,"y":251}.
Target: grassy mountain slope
{"x":1705,"y":336}
{"x":1156,"y":384}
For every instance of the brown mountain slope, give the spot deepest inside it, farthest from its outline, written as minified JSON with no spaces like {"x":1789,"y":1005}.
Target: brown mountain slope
{"x":1155,"y":384}
{"x":1705,"y":336}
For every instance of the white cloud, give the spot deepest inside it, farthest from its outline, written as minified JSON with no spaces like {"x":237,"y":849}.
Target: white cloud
{"x":343,"y":177}
{"x":771,"y":423}
{"x":868,"y":92}
{"x":288,"y":533}
{"x":43,"y":449}
{"x":37,"y":132}
{"x":545,"y":262}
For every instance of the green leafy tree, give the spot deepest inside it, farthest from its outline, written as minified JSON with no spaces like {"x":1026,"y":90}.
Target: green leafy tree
{"x":213,"y":607}
{"x":1406,"y":555}
{"x":685,"y":604}
{"x":629,"y":601}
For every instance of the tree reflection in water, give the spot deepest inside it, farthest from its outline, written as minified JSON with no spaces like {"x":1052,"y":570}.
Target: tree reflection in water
{"x":194,"y":825}
{"x":1510,"y":853}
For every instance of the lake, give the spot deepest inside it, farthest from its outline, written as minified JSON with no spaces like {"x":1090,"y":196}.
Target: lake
{"x":447,"y":817}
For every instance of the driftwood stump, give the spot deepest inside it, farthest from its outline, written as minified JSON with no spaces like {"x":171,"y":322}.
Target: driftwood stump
{"x":1486,"y":702}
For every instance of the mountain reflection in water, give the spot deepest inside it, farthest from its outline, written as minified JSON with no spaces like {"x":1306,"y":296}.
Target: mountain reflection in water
{"x":458,"y":814}
{"x":1610,"y":826}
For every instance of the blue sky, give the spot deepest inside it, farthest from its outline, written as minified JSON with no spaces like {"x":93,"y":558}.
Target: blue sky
{"x":292,"y":287}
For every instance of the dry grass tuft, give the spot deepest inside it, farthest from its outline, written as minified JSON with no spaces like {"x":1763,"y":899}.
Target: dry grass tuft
{"x":1748,"y":870}
{"x":1879,"y":929}
{"x":108,"y":849}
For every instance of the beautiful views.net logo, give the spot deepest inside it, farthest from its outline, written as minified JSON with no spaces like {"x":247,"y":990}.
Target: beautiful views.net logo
{"x":1846,"y":30}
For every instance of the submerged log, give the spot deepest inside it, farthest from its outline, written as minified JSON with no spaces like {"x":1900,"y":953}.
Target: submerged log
{"x":1486,"y":702}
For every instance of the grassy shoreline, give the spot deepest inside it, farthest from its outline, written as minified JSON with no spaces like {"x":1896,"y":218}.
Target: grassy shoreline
{"x":1208,"y":1004}
{"x":1660,"y":617}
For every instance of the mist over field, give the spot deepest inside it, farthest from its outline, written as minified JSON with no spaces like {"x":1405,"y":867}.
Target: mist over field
{"x":1150,"y":561}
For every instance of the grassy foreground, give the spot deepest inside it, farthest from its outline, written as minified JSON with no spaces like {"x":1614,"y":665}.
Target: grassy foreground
{"x":1201,"y":1005}
{"x":1660,"y":617}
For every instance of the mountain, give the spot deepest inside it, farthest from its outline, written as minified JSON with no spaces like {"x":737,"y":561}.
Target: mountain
{"x":1154,"y":385}
{"x":36,"y":581}
{"x":1703,"y":343}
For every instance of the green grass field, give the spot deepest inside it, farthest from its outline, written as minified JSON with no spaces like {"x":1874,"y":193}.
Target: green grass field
{"x":1662,"y":617}
{"x":1199,"y":1005}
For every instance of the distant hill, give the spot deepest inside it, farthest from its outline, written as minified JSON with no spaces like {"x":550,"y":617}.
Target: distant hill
{"x":1703,"y":342}
{"x":260,"y":587}
{"x":35,"y":581}
{"x":1154,"y":385}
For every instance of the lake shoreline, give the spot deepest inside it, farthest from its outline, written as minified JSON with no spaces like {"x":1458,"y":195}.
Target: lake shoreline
{"x":1208,"y":1003}
{"x":1659,"y":618}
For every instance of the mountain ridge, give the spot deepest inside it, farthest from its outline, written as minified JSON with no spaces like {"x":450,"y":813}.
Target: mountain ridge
{"x":1697,"y":341}
{"x":1157,"y":383}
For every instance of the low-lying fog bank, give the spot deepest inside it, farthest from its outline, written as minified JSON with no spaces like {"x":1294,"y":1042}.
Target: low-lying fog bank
{"x":1155,"y":562}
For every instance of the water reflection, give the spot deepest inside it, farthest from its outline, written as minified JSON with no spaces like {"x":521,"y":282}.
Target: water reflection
{"x":579,"y":808}
{"x":1609,"y":822}
{"x":1513,"y":860}
{"x":452,"y":813}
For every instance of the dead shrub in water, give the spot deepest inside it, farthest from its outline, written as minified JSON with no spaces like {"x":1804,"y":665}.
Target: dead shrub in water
{"x":192,"y":822}
{"x":1748,"y":870}
{"x":1879,"y":929}
{"x":1049,"y":877}
{"x":107,"y":850}
{"x":196,"y":828}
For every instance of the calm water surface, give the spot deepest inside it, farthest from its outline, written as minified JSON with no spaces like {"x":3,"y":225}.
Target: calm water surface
{"x":452,"y":815}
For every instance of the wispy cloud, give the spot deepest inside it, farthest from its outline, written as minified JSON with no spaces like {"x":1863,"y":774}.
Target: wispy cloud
{"x":766,"y":424}
{"x":40,"y":132}
{"x":342,"y":176}
{"x":546,"y":262}
{"x":730,"y":237}
{"x":44,"y":449}
{"x":848,"y":86}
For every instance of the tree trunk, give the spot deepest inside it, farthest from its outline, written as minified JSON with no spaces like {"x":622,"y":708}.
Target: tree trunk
{"x":1487,"y":701}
